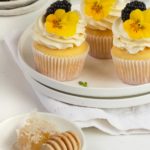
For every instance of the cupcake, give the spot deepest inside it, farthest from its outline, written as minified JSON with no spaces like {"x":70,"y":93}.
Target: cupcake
{"x":99,"y":15}
{"x":131,"y":50}
{"x":59,"y":42}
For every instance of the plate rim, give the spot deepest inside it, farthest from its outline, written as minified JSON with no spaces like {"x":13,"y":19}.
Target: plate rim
{"x":10,"y":4}
{"x":85,"y":102}
{"x":23,"y":10}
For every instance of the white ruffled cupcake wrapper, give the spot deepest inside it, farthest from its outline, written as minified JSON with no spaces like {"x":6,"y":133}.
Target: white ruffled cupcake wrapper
{"x":59,"y":68}
{"x":100,"y":46}
{"x":133,"y":71}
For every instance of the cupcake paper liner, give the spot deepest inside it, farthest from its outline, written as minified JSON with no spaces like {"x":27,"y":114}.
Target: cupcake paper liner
{"x":133,"y":71}
{"x":100,"y":46}
{"x":59,"y":68}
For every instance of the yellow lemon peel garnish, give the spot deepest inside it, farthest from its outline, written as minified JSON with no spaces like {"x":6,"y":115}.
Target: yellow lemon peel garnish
{"x":98,"y":9}
{"x":138,"y":25}
{"x":61,"y":23}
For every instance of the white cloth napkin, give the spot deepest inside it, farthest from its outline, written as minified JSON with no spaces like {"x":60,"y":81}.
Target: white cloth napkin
{"x":135,"y":120}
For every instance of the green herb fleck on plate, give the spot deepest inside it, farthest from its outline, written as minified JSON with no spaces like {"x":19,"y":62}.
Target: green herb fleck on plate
{"x":84,"y":84}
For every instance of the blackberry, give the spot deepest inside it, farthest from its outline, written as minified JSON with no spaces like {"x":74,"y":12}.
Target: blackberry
{"x":125,"y":14}
{"x":60,"y":4}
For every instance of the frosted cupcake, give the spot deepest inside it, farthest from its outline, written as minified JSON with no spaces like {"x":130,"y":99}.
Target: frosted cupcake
{"x":59,"y":45}
{"x":99,"y":15}
{"x":131,"y":50}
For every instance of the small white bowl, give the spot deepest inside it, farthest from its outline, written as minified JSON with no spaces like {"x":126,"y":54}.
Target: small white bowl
{"x":8,"y":129}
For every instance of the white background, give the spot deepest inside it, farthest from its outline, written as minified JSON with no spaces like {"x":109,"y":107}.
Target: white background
{"x":17,"y":96}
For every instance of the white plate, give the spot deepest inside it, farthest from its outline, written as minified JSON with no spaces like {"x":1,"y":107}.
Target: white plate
{"x":100,"y":75}
{"x":15,"y":4}
{"x":8,"y":129}
{"x":84,"y":101}
{"x":23,"y":10}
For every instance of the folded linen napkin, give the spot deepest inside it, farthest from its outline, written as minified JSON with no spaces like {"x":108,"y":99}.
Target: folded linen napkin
{"x":134,"y":120}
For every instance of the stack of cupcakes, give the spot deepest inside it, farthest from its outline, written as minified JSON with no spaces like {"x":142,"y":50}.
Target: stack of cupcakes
{"x":59,"y":39}
{"x":59,"y":42}
{"x":131,"y":50}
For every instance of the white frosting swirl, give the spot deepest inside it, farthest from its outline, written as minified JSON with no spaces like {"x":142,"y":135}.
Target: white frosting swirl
{"x":107,"y":22}
{"x":122,"y":40}
{"x":58,"y":42}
